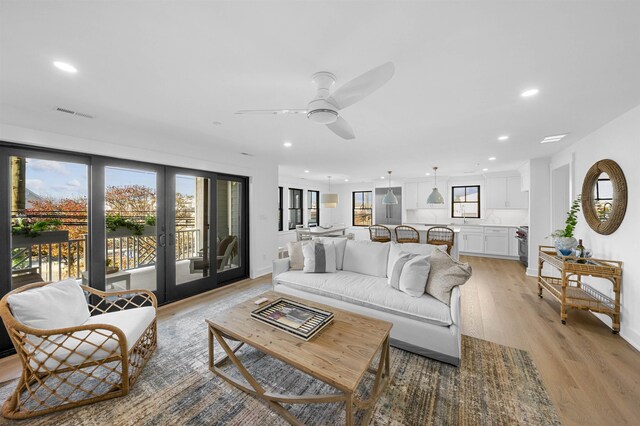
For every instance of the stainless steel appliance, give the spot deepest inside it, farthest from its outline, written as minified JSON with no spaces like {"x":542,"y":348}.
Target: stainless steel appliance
{"x":522,"y":235}
{"x":388,"y":214}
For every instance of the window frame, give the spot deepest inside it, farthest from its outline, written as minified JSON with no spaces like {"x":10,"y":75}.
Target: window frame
{"x":280,"y":208}
{"x":310,"y":209}
{"x":301,"y":208}
{"x":454,"y":202}
{"x":353,"y":208}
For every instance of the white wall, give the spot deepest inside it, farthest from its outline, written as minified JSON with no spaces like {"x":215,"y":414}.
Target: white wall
{"x":263,"y":174}
{"x":539,"y":210}
{"x":619,"y":140}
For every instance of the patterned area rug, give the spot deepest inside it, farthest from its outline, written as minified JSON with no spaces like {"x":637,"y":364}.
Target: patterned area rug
{"x":494,"y":385}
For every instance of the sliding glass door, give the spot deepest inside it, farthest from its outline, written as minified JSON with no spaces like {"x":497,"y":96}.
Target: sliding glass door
{"x":118,"y":225}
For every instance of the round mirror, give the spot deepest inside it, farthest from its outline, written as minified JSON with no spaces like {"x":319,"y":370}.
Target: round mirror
{"x":604,"y":196}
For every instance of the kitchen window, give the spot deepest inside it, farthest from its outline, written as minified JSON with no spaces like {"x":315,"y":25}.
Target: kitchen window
{"x":465,"y":201}
{"x":362,"y":210}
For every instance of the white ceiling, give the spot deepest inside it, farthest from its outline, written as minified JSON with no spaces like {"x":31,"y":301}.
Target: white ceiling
{"x":157,"y":74}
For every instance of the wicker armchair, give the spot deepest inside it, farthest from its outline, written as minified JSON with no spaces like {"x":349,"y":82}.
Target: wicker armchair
{"x":407,"y":234}
{"x":379,"y":233}
{"x":73,"y":366}
{"x":440,"y":236}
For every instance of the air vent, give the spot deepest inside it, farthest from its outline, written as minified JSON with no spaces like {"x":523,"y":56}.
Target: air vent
{"x":79,"y":114}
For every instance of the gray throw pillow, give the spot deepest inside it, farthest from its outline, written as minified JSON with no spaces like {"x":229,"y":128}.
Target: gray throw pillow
{"x":445,"y":274}
{"x":296,"y":259}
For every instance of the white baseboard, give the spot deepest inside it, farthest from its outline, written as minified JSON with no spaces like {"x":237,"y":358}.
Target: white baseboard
{"x":261,"y":272}
{"x":532,"y":272}
{"x":631,"y":336}
{"x":493,"y":256}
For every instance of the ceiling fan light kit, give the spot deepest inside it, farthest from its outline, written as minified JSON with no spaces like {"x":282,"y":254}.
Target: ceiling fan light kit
{"x":435,"y":197}
{"x":325,"y":107}
{"x":389,"y":197}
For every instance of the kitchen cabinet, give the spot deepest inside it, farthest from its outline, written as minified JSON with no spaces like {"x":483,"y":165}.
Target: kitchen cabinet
{"x":505,"y":193}
{"x":496,"y":241}
{"x":410,"y":195}
{"x":472,"y":239}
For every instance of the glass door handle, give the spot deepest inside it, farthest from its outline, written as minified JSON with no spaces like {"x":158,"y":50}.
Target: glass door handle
{"x":162,"y":240}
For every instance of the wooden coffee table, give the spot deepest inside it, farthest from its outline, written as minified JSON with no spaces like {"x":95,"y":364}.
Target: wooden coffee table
{"x":339,"y":355}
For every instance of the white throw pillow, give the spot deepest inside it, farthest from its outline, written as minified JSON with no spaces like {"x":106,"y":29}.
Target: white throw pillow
{"x":57,"y":305}
{"x":366,"y":257}
{"x":319,"y":257}
{"x":445,"y":274}
{"x":396,"y":270}
{"x":296,"y":258}
{"x":413,"y":279}
{"x":340,"y":243}
{"x":415,"y":248}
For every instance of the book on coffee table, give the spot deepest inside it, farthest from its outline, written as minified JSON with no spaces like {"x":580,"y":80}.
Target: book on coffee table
{"x":294,"y":318}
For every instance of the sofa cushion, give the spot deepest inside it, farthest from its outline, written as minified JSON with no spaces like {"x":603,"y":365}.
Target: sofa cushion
{"x":94,"y":345}
{"x":296,"y":258}
{"x":57,"y":305}
{"x":366,"y":257}
{"x":445,"y":274}
{"x":415,"y":248}
{"x":340,"y":243}
{"x":413,"y":279}
{"x":319,"y":257}
{"x":372,"y":292}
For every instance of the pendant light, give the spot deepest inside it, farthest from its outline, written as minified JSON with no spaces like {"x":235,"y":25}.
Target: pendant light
{"x":390,"y":197}
{"x":435,"y":197}
{"x":329,"y":200}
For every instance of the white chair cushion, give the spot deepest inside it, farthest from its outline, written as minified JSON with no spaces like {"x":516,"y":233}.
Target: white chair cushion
{"x":372,"y":292}
{"x":132,"y":322}
{"x":366,"y":257}
{"x":340,"y":243}
{"x":57,"y":305}
{"x":414,"y":248}
{"x":319,"y":257}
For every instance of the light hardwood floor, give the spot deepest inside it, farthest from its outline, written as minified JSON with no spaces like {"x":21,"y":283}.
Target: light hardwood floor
{"x":593,"y":376}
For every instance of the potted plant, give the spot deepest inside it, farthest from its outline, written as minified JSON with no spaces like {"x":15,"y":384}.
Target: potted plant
{"x":25,"y":232}
{"x":563,"y":239}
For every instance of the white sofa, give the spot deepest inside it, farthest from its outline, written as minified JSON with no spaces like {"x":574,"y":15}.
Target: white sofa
{"x":422,"y":325}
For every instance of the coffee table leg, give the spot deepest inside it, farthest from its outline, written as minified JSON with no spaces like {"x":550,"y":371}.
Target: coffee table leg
{"x":348,"y":410}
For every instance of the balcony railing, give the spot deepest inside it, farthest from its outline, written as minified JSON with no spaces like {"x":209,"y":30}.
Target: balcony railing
{"x":57,"y":261}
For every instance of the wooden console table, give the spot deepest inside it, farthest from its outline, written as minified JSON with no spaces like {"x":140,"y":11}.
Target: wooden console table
{"x":572,"y":292}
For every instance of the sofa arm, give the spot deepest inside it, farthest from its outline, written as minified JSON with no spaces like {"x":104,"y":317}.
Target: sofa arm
{"x":279,"y":266}
{"x":454,"y":304}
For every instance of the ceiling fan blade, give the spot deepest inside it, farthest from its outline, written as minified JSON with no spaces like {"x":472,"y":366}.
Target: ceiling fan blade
{"x":341,"y":128}
{"x":362,"y":86}
{"x":270,"y":111}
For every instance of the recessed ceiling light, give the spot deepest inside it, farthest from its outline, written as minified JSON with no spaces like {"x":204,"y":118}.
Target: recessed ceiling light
{"x":485,"y":170}
{"x":427,"y":174}
{"x":381,"y":177}
{"x":306,"y":171}
{"x":529,"y":92}
{"x":554,"y":138}
{"x":503,"y":138}
{"x":287,"y":144}
{"x":492,"y":158}
{"x":346,"y":180}
{"x":65,"y":67}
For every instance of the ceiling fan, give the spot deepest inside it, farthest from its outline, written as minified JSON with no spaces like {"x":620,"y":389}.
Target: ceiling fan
{"x":325,"y":108}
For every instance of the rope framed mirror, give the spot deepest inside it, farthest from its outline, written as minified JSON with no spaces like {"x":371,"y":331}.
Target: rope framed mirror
{"x":604,"y":197}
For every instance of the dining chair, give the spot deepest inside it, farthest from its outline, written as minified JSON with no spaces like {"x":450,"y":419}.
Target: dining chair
{"x":302,"y":233}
